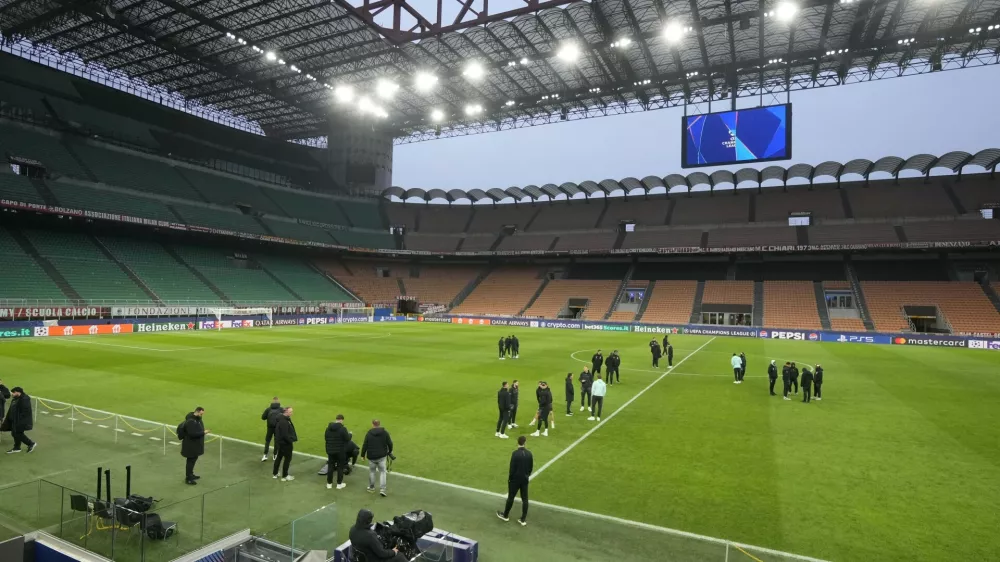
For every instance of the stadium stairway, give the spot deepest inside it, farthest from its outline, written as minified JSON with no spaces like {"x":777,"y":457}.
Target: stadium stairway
{"x":859,"y":296}
{"x":645,"y":301}
{"x":991,"y":294}
{"x":44,"y":192}
{"x":80,"y":161}
{"x":402,"y":286}
{"x":699,"y":293}
{"x":263,"y":225}
{"x":46,"y":266}
{"x":496,"y":243}
{"x":534,"y":297}
{"x":277,"y":280}
{"x":621,"y":289}
{"x":194,"y":271}
{"x":470,"y":287}
{"x":758,"y":303}
{"x":126,"y":270}
{"x":333,"y":280}
{"x":824,"y":314}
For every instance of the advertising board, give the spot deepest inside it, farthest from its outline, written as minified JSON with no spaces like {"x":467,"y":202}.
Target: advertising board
{"x":86,"y":330}
{"x":164,"y":327}
{"x":9,"y":333}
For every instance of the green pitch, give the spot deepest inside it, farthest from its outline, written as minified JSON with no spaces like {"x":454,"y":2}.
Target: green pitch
{"x":900,"y":461}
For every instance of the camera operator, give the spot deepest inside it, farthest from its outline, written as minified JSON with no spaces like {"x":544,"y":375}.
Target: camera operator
{"x":365,"y":541}
{"x":376,"y":448}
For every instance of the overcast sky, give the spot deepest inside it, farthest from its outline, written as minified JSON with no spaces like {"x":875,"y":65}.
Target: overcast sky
{"x":936,"y":113}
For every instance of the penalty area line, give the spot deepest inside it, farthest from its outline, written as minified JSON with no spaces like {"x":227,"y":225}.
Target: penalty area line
{"x":583,"y":437}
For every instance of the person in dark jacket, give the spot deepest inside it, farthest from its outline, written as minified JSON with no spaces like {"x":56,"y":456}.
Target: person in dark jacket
{"x":666,"y":341}
{"x":284,"y":444}
{"x":336,"y":438}
{"x":586,"y":382}
{"x":786,"y":379}
{"x":743,"y":366}
{"x":514,"y":390}
{"x":500,"y":349}
{"x":270,"y":418}
{"x":818,"y":382}
{"x":193,"y":445}
{"x":19,"y":420}
{"x":654,"y":348}
{"x":503,"y":404}
{"x":569,"y":394}
{"x":516,"y":345}
{"x":544,"y":408}
{"x":521,"y":465}
{"x":596,"y":362}
{"x":376,"y":447}
{"x":807,"y":379}
{"x":613,"y":362}
{"x":794,"y":372}
{"x":670,"y":355}
{"x":4,"y":397}
{"x":772,"y":375}
{"x":365,"y":541}
{"x":506,"y":345}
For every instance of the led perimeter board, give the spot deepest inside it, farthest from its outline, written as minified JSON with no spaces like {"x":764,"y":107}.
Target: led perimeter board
{"x":757,"y":134}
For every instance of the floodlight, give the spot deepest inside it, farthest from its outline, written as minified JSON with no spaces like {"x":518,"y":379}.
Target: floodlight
{"x":673,"y":33}
{"x":509,"y":103}
{"x":473,"y":109}
{"x":385,"y":89}
{"x":524,"y":60}
{"x":474,"y":71}
{"x":343,"y":93}
{"x":424,"y":81}
{"x":365,"y":105}
{"x":437,"y":115}
{"x":786,"y":11}
{"x":569,"y":52}
{"x":271,"y":56}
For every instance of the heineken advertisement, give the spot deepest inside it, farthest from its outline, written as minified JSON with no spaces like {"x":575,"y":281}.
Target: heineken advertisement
{"x":164,"y":327}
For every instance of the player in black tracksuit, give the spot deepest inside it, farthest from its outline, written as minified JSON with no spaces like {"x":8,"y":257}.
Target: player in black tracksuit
{"x":506,"y":345}
{"x":596,"y":362}
{"x":284,"y":443}
{"x":503,"y":403}
{"x":514,"y":389}
{"x":807,"y":379}
{"x":818,"y":383}
{"x":743,"y":366}
{"x":586,"y":381}
{"x":614,"y":362}
{"x":795,"y":378}
{"x":544,"y":408}
{"x":500,"y":348}
{"x":670,"y":355}
{"x":654,"y":348}
{"x":516,"y":345}
{"x":772,"y":375}
{"x":270,"y":417}
{"x":521,"y":465}
{"x":666,"y":341}
{"x":570,"y":398}
{"x":786,"y":379}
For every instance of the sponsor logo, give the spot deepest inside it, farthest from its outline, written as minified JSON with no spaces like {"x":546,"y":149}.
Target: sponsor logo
{"x":91,"y":330}
{"x":639,"y":328}
{"x":511,"y":322}
{"x":435,"y":319}
{"x":41,"y":331}
{"x":979,"y":344}
{"x":281,"y":322}
{"x":593,"y":326}
{"x":856,"y":339}
{"x":208,"y":325}
{"x":763,"y":333}
{"x":56,"y":312}
{"x":145,"y":311}
{"x":164,"y":327}
{"x":813,"y":336}
{"x":742,"y":333}
{"x":354,"y":320}
{"x":533,"y":324}
{"x":568,"y":325}
{"x":606,"y":327}
{"x":315,"y":321}
{"x":995,"y":345}
{"x":16,"y":333}
{"x":779,"y":335}
{"x":931,"y":341}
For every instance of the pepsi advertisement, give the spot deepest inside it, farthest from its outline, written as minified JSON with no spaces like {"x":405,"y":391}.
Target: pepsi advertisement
{"x":758,"y":134}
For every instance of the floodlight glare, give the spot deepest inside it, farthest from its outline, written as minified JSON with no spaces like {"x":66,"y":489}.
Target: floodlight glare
{"x":786,"y":11}
{"x":424,"y":81}
{"x":474,"y":71}
{"x":271,"y":56}
{"x":365,"y":105}
{"x":569,"y":52}
{"x":437,"y":115}
{"x":473,"y":109}
{"x":673,"y":33}
{"x":343,"y":93}
{"x":524,"y":60}
{"x":386,"y":88}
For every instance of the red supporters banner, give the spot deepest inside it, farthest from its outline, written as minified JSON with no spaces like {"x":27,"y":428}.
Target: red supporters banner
{"x":53,"y":312}
{"x":92,"y":330}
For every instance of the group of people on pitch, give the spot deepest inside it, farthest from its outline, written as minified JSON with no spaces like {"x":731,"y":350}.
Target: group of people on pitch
{"x":812,"y":382}
{"x":509,"y":346}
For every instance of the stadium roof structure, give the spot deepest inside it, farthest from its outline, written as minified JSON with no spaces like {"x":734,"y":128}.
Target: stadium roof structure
{"x":955,"y":162}
{"x":280,"y":62}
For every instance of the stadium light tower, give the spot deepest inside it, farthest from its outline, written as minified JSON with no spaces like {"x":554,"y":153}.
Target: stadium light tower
{"x":424,"y":81}
{"x":343,"y":93}
{"x":271,"y":56}
{"x":386,"y":89}
{"x":473,"y":109}
{"x":437,"y":115}
{"x":786,"y":11}
{"x":474,"y":71}
{"x":673,"y":32}
{"x":569,"y":52}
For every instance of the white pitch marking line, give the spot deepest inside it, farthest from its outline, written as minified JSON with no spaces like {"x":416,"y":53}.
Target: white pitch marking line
{"x":58,"y":415}
{"x":88,"y":422}
{"x":155,"y":438}
{"x":175,"y":443}
{"x":102,"y":426}
{"x":615,"y":413}
{"x":136,"y":434}
{"x":120,"y":430}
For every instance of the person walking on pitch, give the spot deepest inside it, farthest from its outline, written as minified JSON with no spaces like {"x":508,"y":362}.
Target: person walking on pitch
{"x":500,"y":349}
{"x":670,"y":355}
{"x":284,"y":444}
{"x":503,"y":403}
{"x":569,"y":394}
{"x":818,"y":382}
{"x":737,"y":366}
{"x":521,"y":465}
{"x":786,"y":380}
{"x":514,"y":389}
{"x":600,"y":389}
{"x":376,"y":447}
{"x":807,"y":379}
{"x":772,"y":375}
{"x":544,"y":409}
{"x":19,"y":420}
{"x":586,"y":381}
{"x":270,"y":419}
{"x":743,"y":366}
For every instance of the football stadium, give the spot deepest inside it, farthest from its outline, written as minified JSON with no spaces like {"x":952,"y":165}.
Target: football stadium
{"x":217,"y":305}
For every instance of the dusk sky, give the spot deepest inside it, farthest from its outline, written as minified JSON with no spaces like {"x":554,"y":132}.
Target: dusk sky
{"x":936,"y":113}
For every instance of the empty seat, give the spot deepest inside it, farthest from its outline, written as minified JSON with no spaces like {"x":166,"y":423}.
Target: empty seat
{"x":790,"y":304}
{"x":504,"y":292}
{"x":726,"y":292}
{"x":671,"y":302}
{"x":963,"y":304}
{"x":558,"y":292}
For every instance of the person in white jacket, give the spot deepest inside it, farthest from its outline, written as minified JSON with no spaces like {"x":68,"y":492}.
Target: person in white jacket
{"x":597,"y":404}
{"x":737,"y":367}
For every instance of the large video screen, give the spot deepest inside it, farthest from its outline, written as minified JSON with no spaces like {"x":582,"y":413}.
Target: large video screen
{"x":757,"y":134}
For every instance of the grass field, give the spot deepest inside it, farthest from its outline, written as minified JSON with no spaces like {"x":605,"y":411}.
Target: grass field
{"x":900,"y":461}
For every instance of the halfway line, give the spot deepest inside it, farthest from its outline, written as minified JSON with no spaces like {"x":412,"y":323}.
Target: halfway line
{"x":615,"y":413}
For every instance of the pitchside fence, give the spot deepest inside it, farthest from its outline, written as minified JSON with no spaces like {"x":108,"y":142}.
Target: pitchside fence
{"x":236,"y":492}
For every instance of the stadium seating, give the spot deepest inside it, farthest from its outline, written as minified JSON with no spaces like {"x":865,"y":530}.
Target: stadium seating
{"x":504,"y":292}
{"x":24,"y":99}
{"x":478,"y":243}
{"x":490,"y":219}
{"x":976,"y":229}
{"x":526,"y":242}
{"x":752,"y":236}
{"x":403,"y":215}
{"x":912,"y":198}
{"x":975,"y":192}
{"x":666,"y":238}
{"x":77,"y":195}
{"x":964,"y":305}
{"x":225,"y":190}
{"x":242,"y":283}
{"x":45,"y":148}
{"x":359,"y":239}
{"x":169,"y":279}
{"x":85,"y":267}
{"x":645,"y":212}
{"x":823,"y":202}
{"x":847,"y":324}
{"x":859,"y":233}
{"x":558,"y":292}
{"x":20,"y":275}
{"x":566,"y":216}
{"x":438,"y":219}
{"x":363,"y":213}
{"x":670,"y":303}
{"x":305,"y":281}
{"x":598,"y":241}
{"x":718,"y":209}
{"x":790,"y":304}
{"x":725,"y":292}
{"x":302,"y":205}
{"x":126,"y":169}
{"x":296,"y":231}
{"x":440,"y":284}
{"x":218,"y":218}
{"x":18,"y":188}
{"x":432,"y":242}
{"x":361,"y":279}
